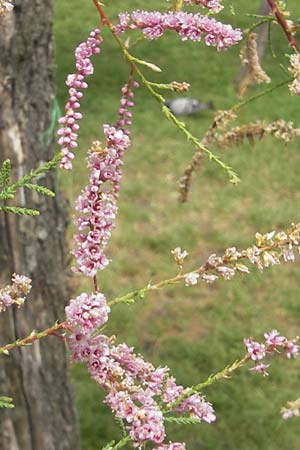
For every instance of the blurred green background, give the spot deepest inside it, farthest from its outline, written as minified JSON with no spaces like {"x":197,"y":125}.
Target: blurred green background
{"x":198,"y":330}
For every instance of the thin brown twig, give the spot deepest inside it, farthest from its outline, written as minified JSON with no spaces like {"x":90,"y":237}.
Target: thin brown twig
{"x":284,"y":25}
{"x":34,"y":336}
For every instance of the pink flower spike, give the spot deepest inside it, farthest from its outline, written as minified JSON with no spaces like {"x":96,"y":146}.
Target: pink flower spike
{"x":188,"y":26}
{"x":75,"y":81}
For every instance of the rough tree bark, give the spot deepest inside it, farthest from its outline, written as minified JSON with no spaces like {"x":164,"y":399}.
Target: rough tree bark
{"x":36,"y":377}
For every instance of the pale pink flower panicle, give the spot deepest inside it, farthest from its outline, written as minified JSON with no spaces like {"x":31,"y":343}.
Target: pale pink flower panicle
{"x":187,"y":25}
{"x":274,"y":343}
{"x":76,"y":82}
{"x":135,"y":388}
{"x":97,"y":202}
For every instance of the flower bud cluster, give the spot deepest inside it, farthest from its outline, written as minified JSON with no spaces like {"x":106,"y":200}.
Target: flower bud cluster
{"x":15,"y":293}
{"x":97,"y":203}
{"x":179,"y":255}
{"x":188,"y":26}
{"x":274,"y":343}
{"x":280,"y":129}
{"x":136,"y":390}
{"x":126,"y":104}
{"x":270,"y":249}
{"x":213,"y":5}
{"x":180,"y":86}
{"x":76,"y":82}
{"x":294,"y":68}
{"x":5,"y":7}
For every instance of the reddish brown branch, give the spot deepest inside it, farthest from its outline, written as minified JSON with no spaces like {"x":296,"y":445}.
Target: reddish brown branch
{"x":103,"y":16}
{"x":282,"y":22}
{"x":34,"y":336}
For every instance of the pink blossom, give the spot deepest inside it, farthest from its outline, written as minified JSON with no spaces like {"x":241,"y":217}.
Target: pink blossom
{"x":274,"y":340}
{"x":122,"y":405}
{"x":256,"y":351}
{"x":171,"y":446}
{"x":97,"y":202}
{"x":261,"y":368}
{"x":5,"y":300}
{"x":198,"y":408}
{"x":87,"y":312}
{"x":147,"y":425}
{"x":172,"y":390}
{"x":291,"y":349}
{"x":16,"y":292}
{"x":155,"y":379}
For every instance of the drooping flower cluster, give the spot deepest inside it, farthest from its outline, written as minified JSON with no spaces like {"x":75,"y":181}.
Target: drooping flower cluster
{"x":250,"y":59}
{"x":97,"y":202}
{"x":213,"y":5}
{"x":6,"y":7}
{"x":279,"y":129}
{"x":135,"y":388}
{"x":16,"y":292}
{"x":274,"y":343}
{"x":292,"y":409}
{"x":270,"y":249}
{"x":76,"y":82}
{"x":188,"y":26}
{"x":294,"y":68}
{"x":126,"y":103}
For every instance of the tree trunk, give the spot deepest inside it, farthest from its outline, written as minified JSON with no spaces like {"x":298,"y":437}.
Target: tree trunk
{"x":37,"y":377}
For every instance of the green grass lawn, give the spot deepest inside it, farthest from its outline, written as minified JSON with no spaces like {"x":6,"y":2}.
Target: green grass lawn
{"x":196,"y":330}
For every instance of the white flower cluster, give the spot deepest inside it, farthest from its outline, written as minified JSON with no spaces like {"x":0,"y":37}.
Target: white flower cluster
{"x":5,"y":7}
{"x":270,"y":249}
{"x":294,"y":68}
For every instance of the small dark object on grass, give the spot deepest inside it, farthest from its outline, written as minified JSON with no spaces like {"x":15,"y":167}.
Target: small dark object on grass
{"x":185,"y":106}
